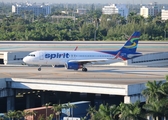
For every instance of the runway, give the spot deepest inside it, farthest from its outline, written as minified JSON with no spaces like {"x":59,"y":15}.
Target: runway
{"x":76,"y":42}
{"x":95,"y":74}
{"x":143,"y":46}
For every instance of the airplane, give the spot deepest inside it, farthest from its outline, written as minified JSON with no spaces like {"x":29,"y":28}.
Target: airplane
{"x":79,"y":59}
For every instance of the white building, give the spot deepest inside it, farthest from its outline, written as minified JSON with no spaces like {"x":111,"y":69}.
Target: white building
{"x":164,"y":14}
{"x":112,"y":9}
{"x":36,"y":9}
{"x":151,"y":10}
{"x":115,"y":9}
{"x":144,"y":11}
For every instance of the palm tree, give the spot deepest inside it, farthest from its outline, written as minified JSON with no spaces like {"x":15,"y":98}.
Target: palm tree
{"x":152,"y":91}
{"x":46,"y":105}
{"x":164,"y":87}
{"x":11,"y":114}
{"x":157,"y":108}
{"x":50,"y":117}
{"x":156,"y":94}
{"x":130,"y":111}
{"x":104,"y":113}
{"x":41,"y":117}
{"x":166,"y":78}
{"x":57,"y":110}
{"x":114,"y":110}
{"x":19,"y":114}
{"x":70,"y":106}
{"x":25,"y":113}
{"x":91,"y":112}
{"x":31,"y":113}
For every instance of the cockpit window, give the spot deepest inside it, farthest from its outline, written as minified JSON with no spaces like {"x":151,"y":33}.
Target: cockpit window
{"x":33,"y":55}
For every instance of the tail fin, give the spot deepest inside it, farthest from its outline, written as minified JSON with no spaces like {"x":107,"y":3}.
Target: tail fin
{"x":132,"y":43}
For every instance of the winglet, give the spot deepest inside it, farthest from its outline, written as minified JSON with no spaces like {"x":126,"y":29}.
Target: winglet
{"x":76,"y":48}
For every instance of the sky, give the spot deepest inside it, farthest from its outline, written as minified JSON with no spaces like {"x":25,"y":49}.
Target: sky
{"x":92,"y":1}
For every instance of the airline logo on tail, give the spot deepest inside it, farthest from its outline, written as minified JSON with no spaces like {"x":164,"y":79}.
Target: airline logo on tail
{"x":132,"y":42}
{"x":134,"y":45}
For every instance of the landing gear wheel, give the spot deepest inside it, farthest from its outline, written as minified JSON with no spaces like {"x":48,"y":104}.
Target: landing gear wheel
{"x":84,"y":69}
{"x":39,"y":69}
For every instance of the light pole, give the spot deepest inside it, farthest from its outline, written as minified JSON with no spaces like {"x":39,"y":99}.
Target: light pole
{"x":96,"y":30}
{"x":165,"y":34}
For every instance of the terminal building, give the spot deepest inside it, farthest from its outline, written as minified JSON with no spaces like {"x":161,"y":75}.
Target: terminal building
{"x":36,"y":9}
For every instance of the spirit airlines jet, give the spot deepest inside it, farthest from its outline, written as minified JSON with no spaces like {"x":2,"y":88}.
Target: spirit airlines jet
{"x":78,"y":59}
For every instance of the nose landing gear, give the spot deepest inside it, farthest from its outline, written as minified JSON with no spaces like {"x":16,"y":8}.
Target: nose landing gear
{"x":39,"y":69}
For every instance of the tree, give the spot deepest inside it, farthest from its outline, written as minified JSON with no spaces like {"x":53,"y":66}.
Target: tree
{"x":91,"y":112}
{"x":152,"y":91}
{"x":11,"y":114}
{"x":103,"y":113}
{"x":19,"y":115}
{"x":57,"y":108}
{"x":114,"y":110}
{"x":130,"y":111}
{"x":46,"y":105}
{"x":71,"y":106}
{"x":157,"y":108}
{"x":50,"y":117}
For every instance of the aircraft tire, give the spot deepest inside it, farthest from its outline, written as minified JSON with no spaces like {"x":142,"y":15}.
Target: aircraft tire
{"x":84,"y":69}
{"x":39,"y":69}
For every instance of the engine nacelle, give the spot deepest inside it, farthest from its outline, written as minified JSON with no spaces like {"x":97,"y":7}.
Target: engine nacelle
{"x":73,"y":65}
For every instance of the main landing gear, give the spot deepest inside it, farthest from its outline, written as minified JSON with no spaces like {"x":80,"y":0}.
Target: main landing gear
{"x":39,"y":69}
{"x":84,"y":69}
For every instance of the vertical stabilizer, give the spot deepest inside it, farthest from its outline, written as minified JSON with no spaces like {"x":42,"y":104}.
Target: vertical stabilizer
{"x":132,"y":43}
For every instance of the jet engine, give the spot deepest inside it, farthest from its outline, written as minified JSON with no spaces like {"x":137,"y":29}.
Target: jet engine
{"x":73,"y":65}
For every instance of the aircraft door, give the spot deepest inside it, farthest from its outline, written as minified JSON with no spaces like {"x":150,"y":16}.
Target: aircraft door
{"x":41,"y":56}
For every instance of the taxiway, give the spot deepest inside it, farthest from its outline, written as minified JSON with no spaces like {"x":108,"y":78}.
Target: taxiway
{"x":96,"y":74}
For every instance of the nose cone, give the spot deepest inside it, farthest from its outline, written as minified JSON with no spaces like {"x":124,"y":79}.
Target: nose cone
{"x":25,"y":59}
